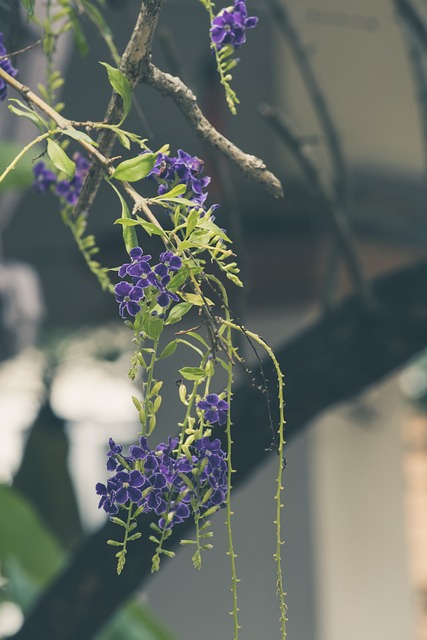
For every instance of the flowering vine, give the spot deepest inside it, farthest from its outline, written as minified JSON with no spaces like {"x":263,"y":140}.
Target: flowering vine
{"x":190,"y":475}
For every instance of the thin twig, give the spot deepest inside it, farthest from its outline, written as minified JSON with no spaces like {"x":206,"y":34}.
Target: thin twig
{"x":19,"y":51}
{"x":329,"y":205}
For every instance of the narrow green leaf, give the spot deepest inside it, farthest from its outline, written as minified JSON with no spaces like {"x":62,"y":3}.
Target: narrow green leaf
{"x":29,"y":5}
{"x":177,"y":312}
{"x":121,"y":85}
{"x":173,"y":193}
{"x":192,"y":220}
{"x":60,"y":159}
{"x":136,"y":168}
{"x":192,"y":373}
{"x":151,"y":228}
{"x":80,"y":135}
{"x":127,"y":222}
{"x":154,"y":328}
{"x":169,"y":349}
{"x":30,"y":115}
{"x":129,"y":234}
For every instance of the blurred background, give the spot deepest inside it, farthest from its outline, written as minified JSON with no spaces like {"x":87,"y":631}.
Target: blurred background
{"x":356,"y":479}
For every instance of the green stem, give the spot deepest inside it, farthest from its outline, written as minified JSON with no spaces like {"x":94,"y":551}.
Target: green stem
{"x":31,"y":144}
{"x":148,"y":386}
{"x":278,"y":496}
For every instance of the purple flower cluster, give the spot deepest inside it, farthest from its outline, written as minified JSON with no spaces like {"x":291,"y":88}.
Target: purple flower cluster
{"x":67,"y":189}
{"x":215,"y":409}
{"x":130,"y":294}
{"x":43,"y":178}
{"x":6,"y":65}
{"x":183,"y":169}
{"x":70,"y":189}
{"x":229,"y":26}
{"x":162,"y":481}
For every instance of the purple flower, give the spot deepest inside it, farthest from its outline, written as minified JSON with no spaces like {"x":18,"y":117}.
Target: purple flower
{"x":171,"y":261}
{"x":107,"y":494}
{"x":129,"y":486}
{"x":128,"y":298}
{"x":115,"y":450}
{"x":70,"y":189}
{"x":161,"y":486}
{"x":6,"y":65}
{"x":43,"y":178}
{"x":138,"y":266}
{"x":214,"y":408}
{"x":182,"y":169}
{"x":229,"y":26}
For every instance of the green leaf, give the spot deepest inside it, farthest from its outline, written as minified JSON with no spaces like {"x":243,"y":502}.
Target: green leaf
{"x":192,"y":373}
{"x":136,"y":168}
{"x":29,"y":5}
{"x":79,"y":36}
{"x":135,"y":622}
{"x":60,"y":159}
{"x":169,"y":349}
{"x":80,"y":135}
{"x":173,"y":193}
{"x":25,"y":541}
{"x":151,"y":228}
{"x":28,"y":113}
{"x":129,"y":234}
{"x":128,"y":222}
{"x":154,"y":328}
{"x":192,"y":220}
{"x":121,"y":85}
{"x":178,"y":311}
{"x":198,"y":300}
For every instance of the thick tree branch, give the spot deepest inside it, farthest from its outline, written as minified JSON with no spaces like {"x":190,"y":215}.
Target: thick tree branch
{"x":172,"y":87}
{"x":326,"y":198}
{"x":337,"y":357}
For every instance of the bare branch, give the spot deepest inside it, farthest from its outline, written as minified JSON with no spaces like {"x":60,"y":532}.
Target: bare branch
{"x":329,"y":205}
{"x":134,"y":59}
{"x":186,"y":101}
{"x":283,"y":20}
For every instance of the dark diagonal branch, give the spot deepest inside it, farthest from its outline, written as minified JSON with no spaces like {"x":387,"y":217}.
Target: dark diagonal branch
{"x":414,"y":19}
{"x":283,"y":20}
{"x":333,"y":360}
{"x":325,"y":198}
{"x":417,"y":49}
{"x":186,"y":101}
{"x":133,"y":61}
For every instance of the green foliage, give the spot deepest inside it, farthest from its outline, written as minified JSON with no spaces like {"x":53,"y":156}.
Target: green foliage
{"x":22,"y":176}
{"x":122,"y":86}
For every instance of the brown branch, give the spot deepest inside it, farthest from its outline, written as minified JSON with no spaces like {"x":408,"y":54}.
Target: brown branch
{"x":103,"y":163}
{"x":186,"y":101}
{"x":327,"y":200}
{"x":133,"y":62}
{"x":330,"y":362}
